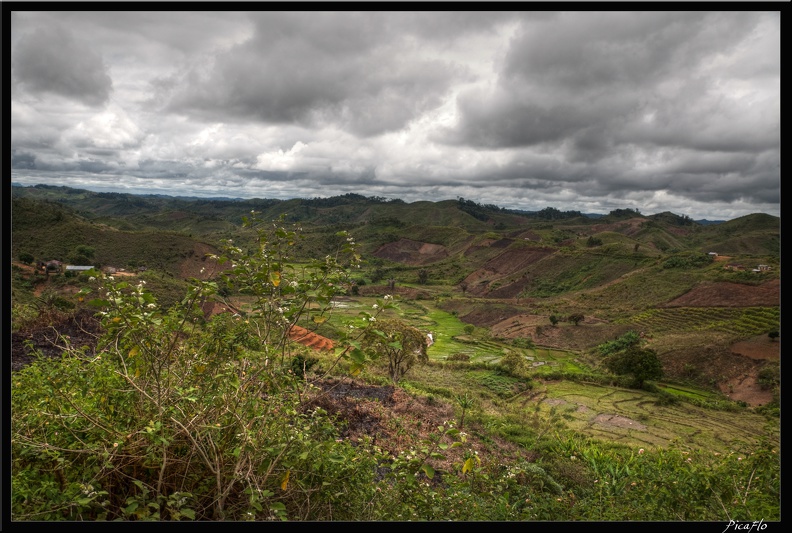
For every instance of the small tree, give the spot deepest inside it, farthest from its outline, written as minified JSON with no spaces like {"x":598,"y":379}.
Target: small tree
{"x":575,"y":318}
{"x":513,"y":363}
{"x":641,"y":363}
{"x":26,"y":258}
{"x":466,"y":402}
{"x":82,"y":255}
{"x":423,"y":276}
{"x":553,"y":320}
{"x":773,"y":334}
{"x":402,"y":345}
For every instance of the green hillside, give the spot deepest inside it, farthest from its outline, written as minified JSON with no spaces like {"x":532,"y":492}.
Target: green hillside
{"x":516,"y":411}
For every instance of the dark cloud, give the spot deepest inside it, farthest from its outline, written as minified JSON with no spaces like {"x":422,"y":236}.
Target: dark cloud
{"x":578,"y":110}
{"x":51,"y":60}
{"x":22,"y":160}
{"x":592,"y":71}
{"x":328,"y":69}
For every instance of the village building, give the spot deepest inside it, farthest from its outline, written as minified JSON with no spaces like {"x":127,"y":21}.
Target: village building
{"x":78,"y":268}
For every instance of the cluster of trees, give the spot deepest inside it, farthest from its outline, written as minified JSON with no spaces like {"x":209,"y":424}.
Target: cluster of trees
{"x":626,"y":356}
{"x":477,"y":210}
{"x":551,"y":213}
{"x":574,"y":318}
{"x":688,"y":260}
{"x":624,"y":213}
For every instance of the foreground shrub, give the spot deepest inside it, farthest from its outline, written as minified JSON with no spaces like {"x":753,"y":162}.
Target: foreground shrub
{"x":177,"y":418}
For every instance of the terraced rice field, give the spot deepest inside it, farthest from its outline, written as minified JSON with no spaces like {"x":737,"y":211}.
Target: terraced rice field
{"x":739,"y":321}
{"x":633,"y":418}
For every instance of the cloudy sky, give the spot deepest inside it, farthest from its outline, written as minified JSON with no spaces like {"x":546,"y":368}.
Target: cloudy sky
{"x":588,"y":111}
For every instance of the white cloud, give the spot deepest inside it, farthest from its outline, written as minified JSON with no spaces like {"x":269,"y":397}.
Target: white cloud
{"x":577,"y":110}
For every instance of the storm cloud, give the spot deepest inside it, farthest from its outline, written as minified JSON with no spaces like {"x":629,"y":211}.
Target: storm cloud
{"x":50,"y":59}
{"x":592,"y":111}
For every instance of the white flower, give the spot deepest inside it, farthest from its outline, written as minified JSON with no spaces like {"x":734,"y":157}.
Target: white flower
{"x":375,"y":306}
{"x":372,"y":319}
{"x":92,"y":278}
{"x":151,"y":306}
{"x":388,"y":297}
{"x":111,"y":278}
{"x":640,"y":451}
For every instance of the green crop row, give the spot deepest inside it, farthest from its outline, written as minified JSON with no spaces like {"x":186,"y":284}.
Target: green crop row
{"x":747,"y":321}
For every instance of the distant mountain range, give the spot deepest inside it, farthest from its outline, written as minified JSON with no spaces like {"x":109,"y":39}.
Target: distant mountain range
{"x":71,"y":190}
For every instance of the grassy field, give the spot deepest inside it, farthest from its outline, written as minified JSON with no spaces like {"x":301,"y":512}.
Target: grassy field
{"x":695,"y":418}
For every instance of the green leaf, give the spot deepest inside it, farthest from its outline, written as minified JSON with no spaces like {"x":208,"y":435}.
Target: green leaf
{"x":189,"y":513}
{"x":428,"y":470}
{"x":358,"y":356}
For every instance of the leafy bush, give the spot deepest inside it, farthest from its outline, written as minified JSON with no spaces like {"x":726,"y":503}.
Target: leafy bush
{"x":180,"y":419}
{"x":688,"y":260}
{"x":641,"y":364}
{"x":401,"y":344}
{"x":627,"y":340}
{"x":523,"y":342}
{"x":769,"y":377}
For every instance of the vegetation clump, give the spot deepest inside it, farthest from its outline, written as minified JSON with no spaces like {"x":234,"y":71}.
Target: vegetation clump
{"x":402,"y":346}
{"x":626,"y":356}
